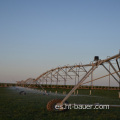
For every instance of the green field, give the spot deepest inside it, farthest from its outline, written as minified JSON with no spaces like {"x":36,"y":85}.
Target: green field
{"x":32,"y":106}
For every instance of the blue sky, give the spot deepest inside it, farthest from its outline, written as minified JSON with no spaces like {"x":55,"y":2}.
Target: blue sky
{"x":37,"y":35}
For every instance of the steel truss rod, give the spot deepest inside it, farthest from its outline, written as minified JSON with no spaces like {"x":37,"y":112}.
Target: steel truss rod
{"x":115,"y":56}
{"x":49,"y":77}
{"x":100,"y":77}
{"x":117,"y":64}
{"x":54,"y":77}
{"x":41,"y":76}
{"x":45,"y":79}
{"x":58,"y":74}
{"x":73,"y":70}
{"x":84,"y":69}
{"x":66,"y":73}
{"x":57,"y":78}
{"x":61,"y":69}
{"x":61,"y":76}
{"x":41,"y":87}
{"x":110,"y":73}
{"x":57,"y":71}
{"x":113,"y":68}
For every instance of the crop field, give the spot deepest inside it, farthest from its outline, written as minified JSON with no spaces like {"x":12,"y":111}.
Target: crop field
{"x":32,"y":106}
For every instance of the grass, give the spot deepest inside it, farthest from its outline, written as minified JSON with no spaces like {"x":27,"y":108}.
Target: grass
{"x":32,"y":106}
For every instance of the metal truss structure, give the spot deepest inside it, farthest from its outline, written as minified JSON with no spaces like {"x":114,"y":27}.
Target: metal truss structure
{"x":95,"y":65}
{"x":28,"y":81}
{"x":67,"y":75}
{"x":79,"y":74}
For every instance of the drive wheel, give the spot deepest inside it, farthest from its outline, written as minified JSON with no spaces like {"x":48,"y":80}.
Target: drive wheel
{"x":51,"y":106}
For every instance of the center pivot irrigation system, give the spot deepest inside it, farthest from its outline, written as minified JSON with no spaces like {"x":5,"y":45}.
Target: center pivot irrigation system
{"x":79,"y":74}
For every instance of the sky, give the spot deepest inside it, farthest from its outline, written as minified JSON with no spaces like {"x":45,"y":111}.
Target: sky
{"x":37,"y":35}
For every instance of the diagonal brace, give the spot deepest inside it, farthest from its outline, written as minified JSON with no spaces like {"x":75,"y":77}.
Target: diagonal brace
{"x":110,"y":73}
{"x":114,"y":68}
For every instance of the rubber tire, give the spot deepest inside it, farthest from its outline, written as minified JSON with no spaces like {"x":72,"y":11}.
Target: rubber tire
{"x":51,"y":105}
